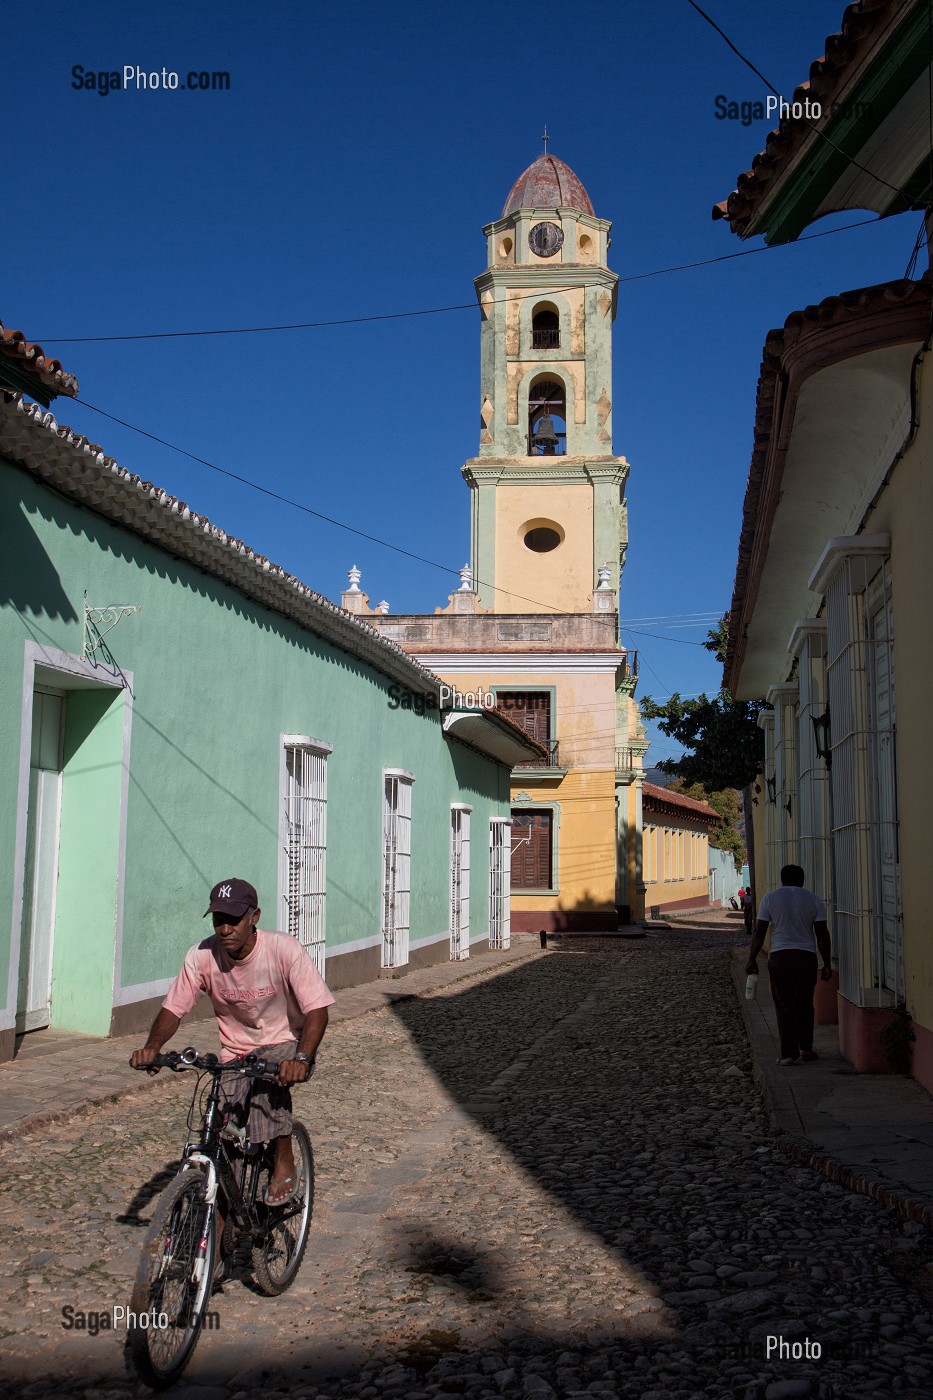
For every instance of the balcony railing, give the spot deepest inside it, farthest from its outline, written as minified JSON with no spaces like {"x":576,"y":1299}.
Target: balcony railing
{"x":552,"y":760}
{"x":545,"y":339}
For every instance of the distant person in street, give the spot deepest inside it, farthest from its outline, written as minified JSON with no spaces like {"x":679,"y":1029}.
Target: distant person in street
{"x":269,"y":1000}
{"x":798,"y":928}
{"x":748,"y":909}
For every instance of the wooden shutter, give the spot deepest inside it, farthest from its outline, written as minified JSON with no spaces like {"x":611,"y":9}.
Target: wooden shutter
{"x":530,"y":711}
{"x":531,"y":850}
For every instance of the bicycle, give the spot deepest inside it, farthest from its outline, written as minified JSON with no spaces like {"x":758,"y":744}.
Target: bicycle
{"x":220,"y":1167}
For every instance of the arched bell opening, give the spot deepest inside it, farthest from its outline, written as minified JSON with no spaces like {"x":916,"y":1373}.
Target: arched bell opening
{"x":545,"y":327}
{"x":547,"y":418}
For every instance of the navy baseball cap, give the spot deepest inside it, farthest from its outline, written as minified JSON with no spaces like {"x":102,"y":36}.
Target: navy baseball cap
{"x":232,"y":897}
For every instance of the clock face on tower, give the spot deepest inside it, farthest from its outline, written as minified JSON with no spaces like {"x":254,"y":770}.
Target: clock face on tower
{"x":545,"y":240}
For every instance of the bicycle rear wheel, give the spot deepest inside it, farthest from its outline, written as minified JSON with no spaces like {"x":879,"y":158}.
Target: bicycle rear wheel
{"x":277,"y":1255}
{"x":173,"y":1282}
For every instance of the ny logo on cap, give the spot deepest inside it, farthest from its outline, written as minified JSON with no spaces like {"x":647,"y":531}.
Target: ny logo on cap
{"x":225,"y":892}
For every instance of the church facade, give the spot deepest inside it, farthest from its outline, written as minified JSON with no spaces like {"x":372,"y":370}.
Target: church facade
{"x":533,"y":629}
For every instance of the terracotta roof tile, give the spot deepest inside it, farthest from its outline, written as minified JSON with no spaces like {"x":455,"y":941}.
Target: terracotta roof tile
{"x":864,"y":24}
{"x":32,"y":360}
{"x":652,"y":797}
{"x":815,"y":337}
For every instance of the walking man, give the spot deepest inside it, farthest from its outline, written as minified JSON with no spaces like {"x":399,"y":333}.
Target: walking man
{"x":798,"y":928}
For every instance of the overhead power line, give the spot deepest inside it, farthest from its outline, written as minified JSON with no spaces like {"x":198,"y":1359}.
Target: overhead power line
{"x":811,"y":124}
{"x":433,"y":310}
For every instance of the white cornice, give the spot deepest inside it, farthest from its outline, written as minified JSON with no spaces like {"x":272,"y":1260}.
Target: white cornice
{"x":459,"y":663}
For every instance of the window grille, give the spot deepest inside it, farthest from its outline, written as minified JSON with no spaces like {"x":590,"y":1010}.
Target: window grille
{"x":396,"y":869}
{"x":459,"y":883}
{"x":304,"y":881}
{"x":868,"y":924}
{"x":500,"y":879}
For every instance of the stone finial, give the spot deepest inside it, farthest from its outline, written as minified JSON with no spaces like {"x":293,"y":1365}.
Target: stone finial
{"x":466,"y":579}
{"x":604,"y":575}
{"x":382,"y":607}
{"x":354,"y":576}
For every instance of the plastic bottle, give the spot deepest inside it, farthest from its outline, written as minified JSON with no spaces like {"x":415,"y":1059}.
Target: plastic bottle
{"x":751,"y":986}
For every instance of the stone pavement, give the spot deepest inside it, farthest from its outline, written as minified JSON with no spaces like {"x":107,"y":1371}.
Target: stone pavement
{"x":550,"y":1178}
{"x":57,"y":1073}
{"x":871,"y":1132}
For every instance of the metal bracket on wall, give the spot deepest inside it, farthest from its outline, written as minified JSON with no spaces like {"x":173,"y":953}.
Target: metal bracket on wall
{"x":99,"y":621}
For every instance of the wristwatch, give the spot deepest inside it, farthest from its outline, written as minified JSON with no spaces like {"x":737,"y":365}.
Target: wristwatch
{"x":305,"y":1059}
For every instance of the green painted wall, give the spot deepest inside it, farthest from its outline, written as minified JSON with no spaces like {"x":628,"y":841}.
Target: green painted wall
{"x":216,"y":680}
{"x":82,"y":953}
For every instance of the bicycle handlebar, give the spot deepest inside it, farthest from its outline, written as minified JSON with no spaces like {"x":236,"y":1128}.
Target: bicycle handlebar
{"x":250,"y":1065}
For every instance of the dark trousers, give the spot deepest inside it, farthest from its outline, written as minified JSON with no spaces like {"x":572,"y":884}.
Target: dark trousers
{"x":793,"y":978}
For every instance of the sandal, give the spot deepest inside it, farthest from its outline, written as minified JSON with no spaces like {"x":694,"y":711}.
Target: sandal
{"x":285,"y":1193}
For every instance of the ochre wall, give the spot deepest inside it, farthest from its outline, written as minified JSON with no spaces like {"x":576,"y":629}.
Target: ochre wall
{"x":663,"y":889}
{"x":562,"y":580}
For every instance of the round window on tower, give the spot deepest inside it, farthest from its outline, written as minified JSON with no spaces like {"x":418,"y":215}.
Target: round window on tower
{"x":541,"y":536}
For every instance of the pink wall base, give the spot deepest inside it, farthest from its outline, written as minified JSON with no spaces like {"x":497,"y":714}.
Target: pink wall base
{"x":858,"y":1036}
{"x":921,"y":1060}
{"x":825,"y":1010}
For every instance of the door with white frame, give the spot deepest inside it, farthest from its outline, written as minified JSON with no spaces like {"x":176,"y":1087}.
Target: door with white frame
{"x":396,"y":866}
{"x":304,"y":845}
{"x":500,"y":882}
{"x":34,"y":999}
{"x":459,"y":881}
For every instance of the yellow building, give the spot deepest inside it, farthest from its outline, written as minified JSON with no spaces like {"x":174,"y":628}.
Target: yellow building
{"x":675,"y":849}
{"x":831,"y":620}
{"x":534,"y":626}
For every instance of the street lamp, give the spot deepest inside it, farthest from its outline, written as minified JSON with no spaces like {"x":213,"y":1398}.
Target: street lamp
{"x":822,"y":736}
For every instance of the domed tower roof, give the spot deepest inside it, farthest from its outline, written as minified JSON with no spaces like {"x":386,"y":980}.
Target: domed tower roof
{"x":547,"y":184}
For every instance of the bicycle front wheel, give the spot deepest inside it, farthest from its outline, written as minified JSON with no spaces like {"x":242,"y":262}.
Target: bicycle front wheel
{"x":278,"y":1253}
{"x":173,"y":1281}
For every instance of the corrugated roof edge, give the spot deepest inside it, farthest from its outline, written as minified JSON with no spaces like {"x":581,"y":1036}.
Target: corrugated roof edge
{"x":79,"y":469}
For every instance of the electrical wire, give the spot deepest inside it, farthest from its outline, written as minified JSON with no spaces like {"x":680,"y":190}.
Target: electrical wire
{"x":341,"y":525}
{"x":811,"y":124}
{"x":439,"y":310}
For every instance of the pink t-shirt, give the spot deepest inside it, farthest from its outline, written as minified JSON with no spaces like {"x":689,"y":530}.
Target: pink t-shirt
{"x":259,"y":1000}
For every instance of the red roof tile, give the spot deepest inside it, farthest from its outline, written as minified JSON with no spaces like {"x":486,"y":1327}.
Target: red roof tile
{"x":839,"y":327}
{"x":32,"y":360}
{"x":652,"y":797}
{"x":865,"y":24}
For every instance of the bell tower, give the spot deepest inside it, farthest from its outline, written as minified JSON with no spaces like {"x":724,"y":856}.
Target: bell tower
{"x":548,"y":497}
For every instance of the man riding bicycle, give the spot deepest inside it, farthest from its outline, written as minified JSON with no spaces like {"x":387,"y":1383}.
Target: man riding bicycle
{"x":267,"y":995}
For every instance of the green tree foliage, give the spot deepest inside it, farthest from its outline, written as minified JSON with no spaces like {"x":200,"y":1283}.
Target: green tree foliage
{"x":725,"y":747}
{"x":726,"y":835}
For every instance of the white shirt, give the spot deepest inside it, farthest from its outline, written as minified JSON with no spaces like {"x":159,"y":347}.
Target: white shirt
{"x":792,"y":912}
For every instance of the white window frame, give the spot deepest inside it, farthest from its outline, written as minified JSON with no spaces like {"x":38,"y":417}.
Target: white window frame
{"x":396,"y":866}
{"x":303,"y":843}
{"x":500,"y":882}
{"x":459,"y":904}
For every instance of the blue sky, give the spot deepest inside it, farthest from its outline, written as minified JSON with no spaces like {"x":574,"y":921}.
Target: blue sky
{"x":348,"y":172}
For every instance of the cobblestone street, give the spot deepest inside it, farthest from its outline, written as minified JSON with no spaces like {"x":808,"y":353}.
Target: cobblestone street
{"x":557,"y":1178}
